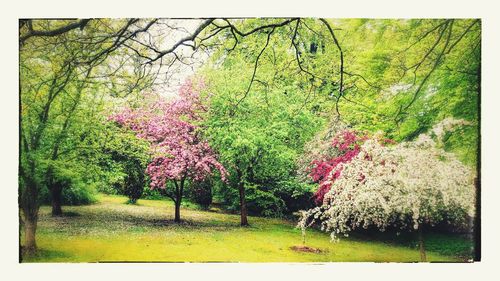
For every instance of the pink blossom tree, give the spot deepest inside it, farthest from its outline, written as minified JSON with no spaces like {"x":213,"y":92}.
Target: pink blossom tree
{"x":179,"y":152}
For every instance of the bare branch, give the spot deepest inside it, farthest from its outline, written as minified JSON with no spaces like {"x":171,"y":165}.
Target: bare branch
{"x":184,"y":40}
{"x":341,"y":85}
{"x":255,"y":67}
{"x":58,"y":31}
{"x":426,"y":34}
{"x":427,"y":76}
{"x":262,"y":27}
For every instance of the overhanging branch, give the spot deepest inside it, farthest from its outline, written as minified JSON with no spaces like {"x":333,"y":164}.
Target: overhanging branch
{"x":48,"y":33}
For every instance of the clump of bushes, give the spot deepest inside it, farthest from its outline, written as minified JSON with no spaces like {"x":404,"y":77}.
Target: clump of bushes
{"x":78,"y":193}
{"x":200,"y":192}
{"x":278,"y":199}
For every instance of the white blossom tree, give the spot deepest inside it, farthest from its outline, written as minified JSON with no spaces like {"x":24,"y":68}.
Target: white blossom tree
{"x":406,"y":186}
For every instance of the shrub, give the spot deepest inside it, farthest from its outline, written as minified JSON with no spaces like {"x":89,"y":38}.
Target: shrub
{"x":79,"y":193}
{"x":134,"y":181}
{"x":279,"y":199}
{"x":111,"y":182}
{"x":153,"y":194}
{"x":295,"y":194}
{"x":200,"y":192}
{"x":263,"y":202}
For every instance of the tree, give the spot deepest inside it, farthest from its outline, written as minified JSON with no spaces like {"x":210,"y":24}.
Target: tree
{"x":179,"y":153}
{"x":61,"y":74}
{"x":347,"y":144}
{"x":404,"y":76}
{"x":408,"y":185}
{"x":260,"y":133}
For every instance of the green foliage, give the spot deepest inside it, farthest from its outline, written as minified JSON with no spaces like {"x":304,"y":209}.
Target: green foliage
{"x":201,"y":192}
{"x":79,"y":194}
{"x":401,"y":77}
{"x":266,"y":97}
{"x":135,"y":180}
{"x":407,"y":75}
{"x":261,"y":138}
{"x":77,"y":187}
{"x":122,"y":160}
{"x":64,"y":86}
{"x":76,"y":193}
{"x":263,"y":202}
{"x":296,"y":195}
{"x":153,"y":194}
{"x":277,"y":200}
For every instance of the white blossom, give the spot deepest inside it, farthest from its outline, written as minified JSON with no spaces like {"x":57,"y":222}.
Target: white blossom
{"x":403,"y":185}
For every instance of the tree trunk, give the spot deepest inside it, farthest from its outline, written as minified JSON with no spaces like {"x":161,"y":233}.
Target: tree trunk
{"x":28,"y":201}
{"x":56,"y":201}
{"x":243,"y":204}
{"x":29,"y":232}
{"x":421,"y":245}
{"x":179,"y":189}
{"x":177,"y":210}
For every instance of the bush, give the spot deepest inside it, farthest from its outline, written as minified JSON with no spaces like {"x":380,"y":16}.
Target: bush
{"x":273,"y":200}
{"x":227,"y":196}
{"x":76,"y":194}
{"x":79,"y":194}
{"x":295,"y":194}
{"x":265,"y":203}
{"x":153,"y":194}
{"x":201,"y":193}
{"x":107,"y":189}
{"x":134,"y":181}
{"x":408,"y":185}
{"x":111,"y":182}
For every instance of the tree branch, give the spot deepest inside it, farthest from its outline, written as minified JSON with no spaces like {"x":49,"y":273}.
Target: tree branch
{"x":255,"y":67}
{"x":49,"y":33}
{"x":182,"y":41}
{"x":427,"y":76}
{"x":341,"y":85}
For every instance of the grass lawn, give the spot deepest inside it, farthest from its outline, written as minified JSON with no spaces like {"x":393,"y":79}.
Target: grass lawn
{"x":112,"y":231}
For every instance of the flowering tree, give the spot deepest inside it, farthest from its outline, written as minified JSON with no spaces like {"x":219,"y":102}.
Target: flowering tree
{"x":179,"y":153}
{"x":405,"y":185}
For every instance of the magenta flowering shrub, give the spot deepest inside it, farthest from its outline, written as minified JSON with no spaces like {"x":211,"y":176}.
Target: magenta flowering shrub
{"x":347,"y":143}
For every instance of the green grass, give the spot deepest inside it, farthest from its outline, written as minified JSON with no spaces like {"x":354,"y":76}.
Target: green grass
{"x":111,"y":231}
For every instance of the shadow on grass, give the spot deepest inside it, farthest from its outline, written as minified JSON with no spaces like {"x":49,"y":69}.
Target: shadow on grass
{"x":445,"y":243}
{"x":110,"y":219}
{"x":70,"y":214}
{"x":184,"y":223}
{"x":43,"y":254}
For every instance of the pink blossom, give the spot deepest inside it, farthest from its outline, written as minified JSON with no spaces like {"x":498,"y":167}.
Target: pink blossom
{"x":178,"y":150}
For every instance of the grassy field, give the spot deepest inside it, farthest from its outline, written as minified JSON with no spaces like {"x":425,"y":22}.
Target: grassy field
{"x":112,"y":231}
